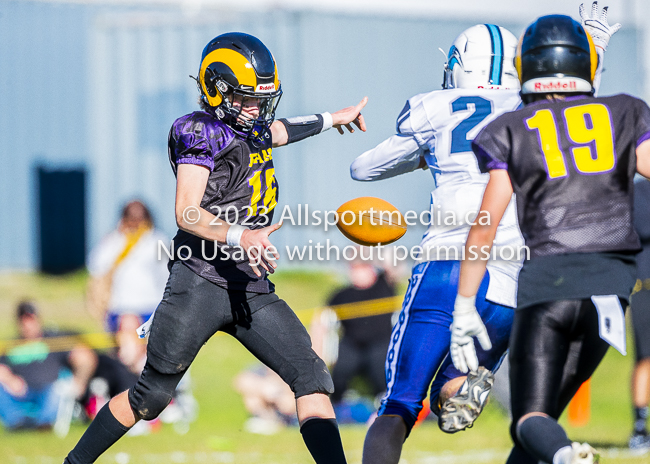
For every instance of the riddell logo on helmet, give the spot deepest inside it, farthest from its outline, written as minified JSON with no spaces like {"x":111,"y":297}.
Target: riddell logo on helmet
{"x":265,"y":88}
{"x":562,"y":86}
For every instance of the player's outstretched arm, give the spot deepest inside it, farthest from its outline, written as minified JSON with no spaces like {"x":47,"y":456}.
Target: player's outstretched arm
{"x":466,"y":322}
{"x":496,"y":198}
{"x":396,"y":155}
{"x":350,"y":115}
{"x":290,"y":130}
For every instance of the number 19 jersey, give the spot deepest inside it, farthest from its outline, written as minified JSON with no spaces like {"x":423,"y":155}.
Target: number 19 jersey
{"x":572,"y":165}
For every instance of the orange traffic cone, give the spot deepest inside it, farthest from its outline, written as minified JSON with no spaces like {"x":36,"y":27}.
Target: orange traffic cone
{"x":580,"y":406}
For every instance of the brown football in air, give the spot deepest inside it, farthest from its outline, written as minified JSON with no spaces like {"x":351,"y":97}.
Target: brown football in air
{"x":370,"y":221}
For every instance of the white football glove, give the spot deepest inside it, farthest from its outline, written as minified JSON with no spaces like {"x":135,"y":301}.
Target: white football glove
{"x":467,"y":324}
{"x":597,"y":25}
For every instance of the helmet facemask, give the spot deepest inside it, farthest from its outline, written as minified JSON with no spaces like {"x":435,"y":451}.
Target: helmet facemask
{"x":232,"y":110}
{"x":453,"y":59}
{"x":239,"y":107}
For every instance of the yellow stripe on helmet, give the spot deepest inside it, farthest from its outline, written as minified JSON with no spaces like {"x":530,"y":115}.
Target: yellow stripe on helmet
{"x":518,"y":57}
{"x":593,"y":56}
{"x":239,"y":65}
{"x":276,"y":81}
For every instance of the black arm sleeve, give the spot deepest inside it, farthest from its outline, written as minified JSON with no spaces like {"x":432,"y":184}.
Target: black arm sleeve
{"x":302,"y":127}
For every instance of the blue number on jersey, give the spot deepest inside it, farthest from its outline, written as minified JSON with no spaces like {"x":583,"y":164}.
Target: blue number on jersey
{"x":482,"y":109}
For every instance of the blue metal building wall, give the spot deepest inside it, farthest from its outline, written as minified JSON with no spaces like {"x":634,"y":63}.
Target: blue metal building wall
{"x":100,"y":87}
{"x":42,"y":116}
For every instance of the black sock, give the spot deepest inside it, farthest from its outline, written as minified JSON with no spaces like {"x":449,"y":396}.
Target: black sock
{"x":323,"y":441}
{"x":518,"y":455}
{"x":101,"y":434}
{"x":542,"y":437}
{"x":640,"y":419}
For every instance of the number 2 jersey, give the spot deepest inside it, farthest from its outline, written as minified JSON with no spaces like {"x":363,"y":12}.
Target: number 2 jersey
{"x":241,"y":188}
{"x":440,"y":126}
{"x":572,"y":164}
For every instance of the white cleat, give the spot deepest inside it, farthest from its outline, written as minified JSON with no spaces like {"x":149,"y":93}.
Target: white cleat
{"x":583,"y":454}
{"x":460,"y":411}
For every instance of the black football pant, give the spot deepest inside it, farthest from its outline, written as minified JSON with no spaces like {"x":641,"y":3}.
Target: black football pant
{"x":554,"y":348}
{"x":193,"y":310}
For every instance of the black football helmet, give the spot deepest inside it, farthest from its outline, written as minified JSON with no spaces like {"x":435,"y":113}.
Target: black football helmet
{"x":238,"y":65}
{"x":556,"y":55}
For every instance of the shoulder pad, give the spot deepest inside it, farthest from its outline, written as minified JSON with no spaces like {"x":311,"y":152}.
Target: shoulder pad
{"x":201,"y":125}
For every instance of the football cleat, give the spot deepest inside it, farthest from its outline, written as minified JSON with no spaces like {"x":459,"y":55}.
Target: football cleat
{"x":639,"y":441}
{"x":461,"y":410}
{"x":583,"y":454}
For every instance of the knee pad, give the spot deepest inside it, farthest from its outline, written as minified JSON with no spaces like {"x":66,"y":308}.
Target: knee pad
{"x":323,"y":377}
{"x":514,"y":430}
{"x":148,"y":405}
{"x":318,"y":380}
{"x":153,"y":392}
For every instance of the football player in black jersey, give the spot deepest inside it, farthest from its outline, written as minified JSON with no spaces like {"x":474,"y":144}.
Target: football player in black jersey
{"x":570,"y":158}
{"x":225,"y":195}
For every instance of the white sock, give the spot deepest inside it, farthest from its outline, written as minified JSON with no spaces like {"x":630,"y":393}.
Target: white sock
{"x":563,"y":455}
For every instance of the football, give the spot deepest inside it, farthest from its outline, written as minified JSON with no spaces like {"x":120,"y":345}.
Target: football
{"x":370,"y":221}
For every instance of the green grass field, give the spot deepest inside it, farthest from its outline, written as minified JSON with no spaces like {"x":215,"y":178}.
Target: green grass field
{"x":218,"y":437}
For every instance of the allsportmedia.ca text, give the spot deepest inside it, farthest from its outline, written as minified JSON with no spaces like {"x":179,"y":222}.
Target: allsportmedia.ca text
{"x":303,"y":216}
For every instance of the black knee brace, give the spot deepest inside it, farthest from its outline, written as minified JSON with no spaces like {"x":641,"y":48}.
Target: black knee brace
{"x":153,"y":392}
{"x":313,"y":379}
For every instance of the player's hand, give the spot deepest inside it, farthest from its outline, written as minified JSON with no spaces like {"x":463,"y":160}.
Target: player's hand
{"x":348,"y":116}
{"x":597,"y":26}
{"x":467,"y":324}
{"x":259,"y":249}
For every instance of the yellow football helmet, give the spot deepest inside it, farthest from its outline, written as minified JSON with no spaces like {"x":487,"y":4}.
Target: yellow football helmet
{"x":239,"y":66}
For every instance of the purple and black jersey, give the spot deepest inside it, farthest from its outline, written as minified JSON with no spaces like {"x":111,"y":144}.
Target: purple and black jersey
{"x":572,"y":165}
{"x":241,"y":189}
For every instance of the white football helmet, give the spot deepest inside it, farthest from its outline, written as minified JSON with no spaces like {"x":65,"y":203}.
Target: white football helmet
{"x":482,"y":57}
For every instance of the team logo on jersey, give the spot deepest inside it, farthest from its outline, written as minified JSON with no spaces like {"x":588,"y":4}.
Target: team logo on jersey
{"x":258,"y":158}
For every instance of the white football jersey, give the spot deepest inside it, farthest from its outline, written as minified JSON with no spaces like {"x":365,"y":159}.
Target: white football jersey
{"x":440,"y":127}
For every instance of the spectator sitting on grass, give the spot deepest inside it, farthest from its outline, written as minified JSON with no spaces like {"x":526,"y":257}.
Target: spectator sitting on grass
{"x":29,"y":369}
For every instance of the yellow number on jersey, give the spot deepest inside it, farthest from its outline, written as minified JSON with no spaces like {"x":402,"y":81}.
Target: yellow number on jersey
{"x":588,"y":159}
{"x":271,"y":186}
{"x":544,"y":122}
{"x":600,"y":133}
{"x":255,"y":182}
